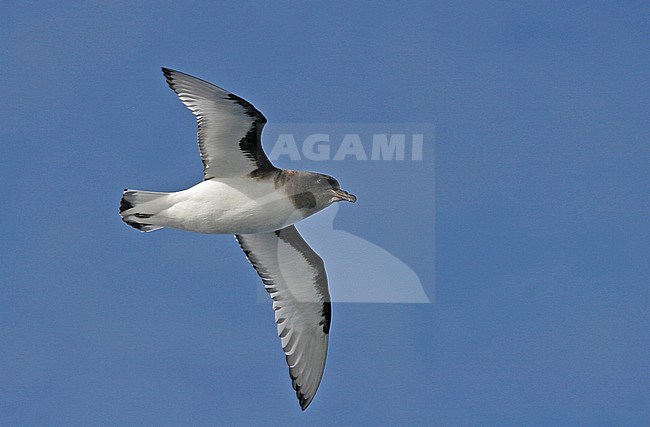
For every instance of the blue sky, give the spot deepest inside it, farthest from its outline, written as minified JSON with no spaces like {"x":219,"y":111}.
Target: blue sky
{"x":535,"y":255}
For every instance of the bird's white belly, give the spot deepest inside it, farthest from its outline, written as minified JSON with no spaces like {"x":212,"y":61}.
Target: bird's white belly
{"x":223,"y":207}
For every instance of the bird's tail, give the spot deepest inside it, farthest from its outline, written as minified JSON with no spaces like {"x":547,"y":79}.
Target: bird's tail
{"x":139,"y":208}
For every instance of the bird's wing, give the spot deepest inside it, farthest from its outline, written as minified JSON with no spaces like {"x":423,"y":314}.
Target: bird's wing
{"x":230,"y":128}
{"x":294,"y":276}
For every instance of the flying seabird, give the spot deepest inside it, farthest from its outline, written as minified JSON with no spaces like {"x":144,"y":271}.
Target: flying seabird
{"x":243,"y":194}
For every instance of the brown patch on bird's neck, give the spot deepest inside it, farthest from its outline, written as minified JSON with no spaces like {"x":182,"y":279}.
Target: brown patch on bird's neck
{"x":283,"y":176}
{"x":261,"y":173}
{"x":280,"y":177}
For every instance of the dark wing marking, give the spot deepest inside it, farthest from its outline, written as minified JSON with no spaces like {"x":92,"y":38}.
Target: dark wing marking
{"x":230,"y":128}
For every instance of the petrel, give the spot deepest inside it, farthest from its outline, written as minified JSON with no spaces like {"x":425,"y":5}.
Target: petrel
{"x":242,"y":193}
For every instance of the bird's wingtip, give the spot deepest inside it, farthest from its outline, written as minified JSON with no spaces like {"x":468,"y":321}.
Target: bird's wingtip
{"x":169,"y":76}
{"x":304,"y":401}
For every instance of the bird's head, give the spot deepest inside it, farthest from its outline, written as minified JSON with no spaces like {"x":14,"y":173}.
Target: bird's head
{"x":329,"y":190}
{"x":313,"y":192}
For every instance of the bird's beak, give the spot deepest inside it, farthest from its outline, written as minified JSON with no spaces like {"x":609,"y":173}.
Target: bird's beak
{"x":344,"y":195}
